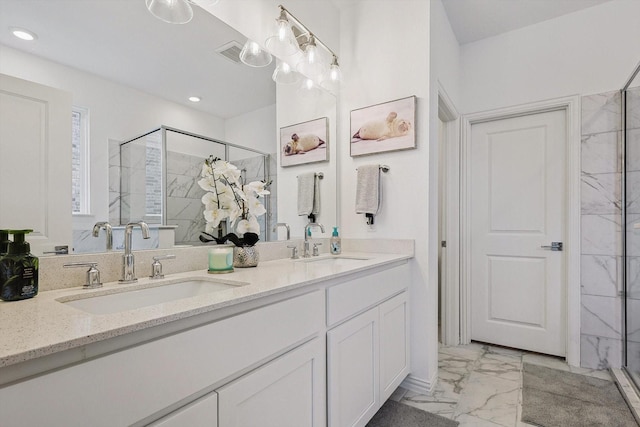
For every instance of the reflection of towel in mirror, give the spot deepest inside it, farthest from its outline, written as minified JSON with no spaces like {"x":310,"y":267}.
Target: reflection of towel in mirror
{"x":308,"y":194}
{"x":368,"y":190}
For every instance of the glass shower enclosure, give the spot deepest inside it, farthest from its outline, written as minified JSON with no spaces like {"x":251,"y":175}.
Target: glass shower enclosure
{"x":631,"y":224}
{"x":159,"y":173}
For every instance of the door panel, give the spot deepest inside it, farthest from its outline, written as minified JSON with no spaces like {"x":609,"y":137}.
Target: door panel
{"x":35,"y":149}
{"x":517,"y":192}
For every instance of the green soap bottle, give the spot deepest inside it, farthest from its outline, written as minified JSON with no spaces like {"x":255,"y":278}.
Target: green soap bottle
{"x":4,"y":242}
{"x":335,"y":244}
{"x":18,"y":269}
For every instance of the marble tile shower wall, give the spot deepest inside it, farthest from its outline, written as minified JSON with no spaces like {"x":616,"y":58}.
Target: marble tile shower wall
{"x":633,"y":234}
{"x":601,"y":216}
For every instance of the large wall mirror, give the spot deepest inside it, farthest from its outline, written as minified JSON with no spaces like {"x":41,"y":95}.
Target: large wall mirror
{"x":130,"y":73}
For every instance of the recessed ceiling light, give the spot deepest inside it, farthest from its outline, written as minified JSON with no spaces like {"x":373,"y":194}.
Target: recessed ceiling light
{"x":194,"y":99}
{"x":23,"y":34}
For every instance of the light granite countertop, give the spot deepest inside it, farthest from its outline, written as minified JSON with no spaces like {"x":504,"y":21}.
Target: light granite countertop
{"x":43,"y":325}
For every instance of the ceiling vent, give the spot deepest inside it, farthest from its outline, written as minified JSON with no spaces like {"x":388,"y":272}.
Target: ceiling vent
{"x":231,"y":51}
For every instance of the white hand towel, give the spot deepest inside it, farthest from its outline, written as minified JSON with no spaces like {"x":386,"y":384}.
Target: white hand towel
{"x":368,"y":189}
{"x":306,"y":193}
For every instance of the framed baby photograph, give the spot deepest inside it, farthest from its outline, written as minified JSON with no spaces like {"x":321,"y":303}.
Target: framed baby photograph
{"x":389,"y":126}
{"x":306,"y":142}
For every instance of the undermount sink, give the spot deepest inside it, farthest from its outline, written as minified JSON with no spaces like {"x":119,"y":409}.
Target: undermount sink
{"x":145,"y":297}
{"x":333,"y":260}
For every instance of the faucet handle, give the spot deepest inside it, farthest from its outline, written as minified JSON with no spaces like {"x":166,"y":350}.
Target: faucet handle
{"x":156,"y":267}
{"x":93,"y":274}
{"x":294,"y":251}
{"x":315,"y":249}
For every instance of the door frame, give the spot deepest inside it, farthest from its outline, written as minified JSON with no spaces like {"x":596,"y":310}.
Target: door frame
{"x":571,"y":107}
{"x":450,"y":297}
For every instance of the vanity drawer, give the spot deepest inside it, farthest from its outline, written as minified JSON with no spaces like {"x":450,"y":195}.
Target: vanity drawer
{"x":349,"y":298}
{"x":126,"y":386}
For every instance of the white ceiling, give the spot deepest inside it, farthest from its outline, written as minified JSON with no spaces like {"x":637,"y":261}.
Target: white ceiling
{"x":121,"y":41}
{"x":473,"y":20}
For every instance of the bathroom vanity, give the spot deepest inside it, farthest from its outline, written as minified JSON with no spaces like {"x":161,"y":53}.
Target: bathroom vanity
{"x":311,"y":342}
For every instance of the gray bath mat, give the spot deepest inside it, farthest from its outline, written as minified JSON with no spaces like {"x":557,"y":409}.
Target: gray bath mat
{"x":394,"y":414}
{"x":553,"y":398}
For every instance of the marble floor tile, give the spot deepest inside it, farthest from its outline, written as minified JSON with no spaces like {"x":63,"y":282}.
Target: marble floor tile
{"x":481,"y":385}
{"x":490,"y":398}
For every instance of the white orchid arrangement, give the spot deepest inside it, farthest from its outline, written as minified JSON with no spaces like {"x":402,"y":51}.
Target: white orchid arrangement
{"x":228,"y":198}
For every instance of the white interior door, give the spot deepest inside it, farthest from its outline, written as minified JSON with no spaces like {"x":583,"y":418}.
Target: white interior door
{"x":35,"y":150}
{"x":517,"y":184}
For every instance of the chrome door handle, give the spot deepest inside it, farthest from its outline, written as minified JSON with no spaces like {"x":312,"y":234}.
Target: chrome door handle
{"x":555,"y":246}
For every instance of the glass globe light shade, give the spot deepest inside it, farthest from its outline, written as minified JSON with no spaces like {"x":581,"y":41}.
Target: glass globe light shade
{"x":283,"y":43}
{"x":254,"y":56}
{"x":283,"y":74}
{"x":311,"y":65}
{"x":171,"y":11}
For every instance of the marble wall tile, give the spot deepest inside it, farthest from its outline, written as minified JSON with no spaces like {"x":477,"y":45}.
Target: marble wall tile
{"x":601,"y":113}
{"x":184,"y":164}
{"x":601,"y":275}
{"x":601,"y":193}
{"x":633,"y":235}
{"x":633,"y":108}
{"x":84,"y":242}
{"x":633,"y":192}
{"x":114,"y":208}
{"x":600,"y":352}
{"x":184,"y":186}
{"x":633,"y":277}
{"x":633,"y":356}
{"x":633,"y":320}
{"x":601,"y":153}
{"x":632,"y":159}
{"x":601,"y":235}
{"x":601,"y":316}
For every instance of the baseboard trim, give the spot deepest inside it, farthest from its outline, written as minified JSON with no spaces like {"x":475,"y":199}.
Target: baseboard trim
{"x":417,"y":385}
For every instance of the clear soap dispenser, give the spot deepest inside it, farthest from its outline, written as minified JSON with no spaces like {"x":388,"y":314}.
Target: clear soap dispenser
{"x":335,"y":243}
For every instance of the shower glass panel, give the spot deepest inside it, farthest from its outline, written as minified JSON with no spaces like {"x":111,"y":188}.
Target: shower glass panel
{"x":141,"y":189}
{"x":631,"y":186}
{"x":159,"y":180}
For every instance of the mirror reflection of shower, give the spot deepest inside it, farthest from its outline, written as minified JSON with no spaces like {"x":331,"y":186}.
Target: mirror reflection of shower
{"x":159,"y":173}
{"x":630,"y":96}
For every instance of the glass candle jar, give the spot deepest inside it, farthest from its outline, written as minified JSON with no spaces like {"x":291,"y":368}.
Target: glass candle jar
{"x":221,"y":259}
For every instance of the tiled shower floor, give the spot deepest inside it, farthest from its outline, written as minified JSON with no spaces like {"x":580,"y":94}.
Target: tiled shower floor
{"x":481,"y":385}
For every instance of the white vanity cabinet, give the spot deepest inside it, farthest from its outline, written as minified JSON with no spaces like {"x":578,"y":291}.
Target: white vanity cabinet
{"x":139,"y":384}
{"x":367,"y":354}
{"x":201,"y":413}
{"x":287,"y":392}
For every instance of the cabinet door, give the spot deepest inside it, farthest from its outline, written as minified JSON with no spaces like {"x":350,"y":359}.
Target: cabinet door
{"x":352,"y":356}
{"x":200,"y":413}
{"x":287,"y":392}
{"x":394,"y":344}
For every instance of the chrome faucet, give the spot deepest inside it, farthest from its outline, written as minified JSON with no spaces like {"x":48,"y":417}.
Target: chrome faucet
{"x":307,"y":232}
{"x":128,"y":262}
{"x":285,"y":225}
{"x":108,"y":229}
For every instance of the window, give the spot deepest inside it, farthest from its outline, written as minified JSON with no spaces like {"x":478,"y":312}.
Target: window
{"x":79,"y":161}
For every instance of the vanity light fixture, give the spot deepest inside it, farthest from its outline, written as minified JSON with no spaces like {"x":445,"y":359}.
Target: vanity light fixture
{"x":283,"y":74}
{"x":23,"y":34}
{"x":254,"y":56}
{"x":283,"y":43}
{"x":293,"y":38}
{"x":194,"y":98}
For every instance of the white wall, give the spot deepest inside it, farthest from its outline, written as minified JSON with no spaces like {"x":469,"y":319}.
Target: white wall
{"x":380,"y":63}
{"x":586,"y":52}
{"x":116,"y":112}
{"x":260,"y":135}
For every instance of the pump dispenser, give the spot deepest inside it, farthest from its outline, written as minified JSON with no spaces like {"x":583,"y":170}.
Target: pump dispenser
{"x":18,"y":269}
{"x":335,"y":243}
